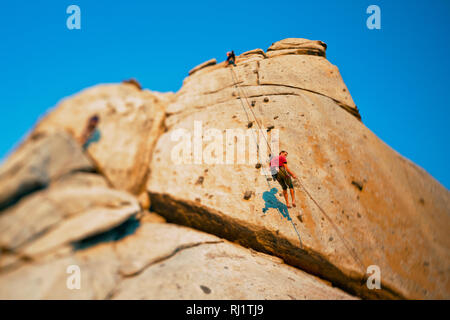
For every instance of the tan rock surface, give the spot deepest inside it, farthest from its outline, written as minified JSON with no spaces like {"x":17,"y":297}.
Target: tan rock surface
{"x":299,"y":46}
{"x":82,"y":226}
{"x":165,"y":261}
{"x":72,"y":205}
{"x":154,"y":242}
{"x":130,"y":122}
{"x":368,"y":204}
{"x":37,"y":162}
{"x":62,"y":213}
{"x":306,"y":72}
{"x":250,"y":56}
{"x":210,"y":270}
{"x":48,"y":279}
{"x":280,"y":75}
{"x":385,"y":224}
{"x":203,"y":65}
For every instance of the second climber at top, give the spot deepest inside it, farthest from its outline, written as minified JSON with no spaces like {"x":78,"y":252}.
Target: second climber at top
{"x":231,"y":58}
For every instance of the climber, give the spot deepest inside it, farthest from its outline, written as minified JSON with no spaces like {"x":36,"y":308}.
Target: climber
{"x":281,"y":173}
{"x":231,"y":58}
{"x":90,"y":133}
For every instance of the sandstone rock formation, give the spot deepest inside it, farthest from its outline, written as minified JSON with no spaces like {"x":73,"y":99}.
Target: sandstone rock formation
{"x":34,"y":166}
{"x":360,"y":203}
{"x":165,"y":261}
{"x":302,"y":95}
{"x":203,"y":65}
{"x":130,"y":122}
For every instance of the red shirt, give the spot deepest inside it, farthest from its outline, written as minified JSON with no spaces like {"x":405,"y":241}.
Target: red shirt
{"x":278,"y":161}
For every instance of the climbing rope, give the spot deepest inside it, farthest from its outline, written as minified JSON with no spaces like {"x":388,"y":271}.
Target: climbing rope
{"x":352,"y":251}
{"x":236,"y":81}
{"x":253,"y":133}
{"x":338,"y":232}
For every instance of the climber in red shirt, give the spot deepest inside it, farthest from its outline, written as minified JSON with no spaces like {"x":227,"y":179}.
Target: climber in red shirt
{"x":281,"y":173}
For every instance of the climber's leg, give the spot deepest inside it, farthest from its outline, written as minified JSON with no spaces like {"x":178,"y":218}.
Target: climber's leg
{"x":293,"y":197}
{"x":286,"y":197}
{"x":280,"y":178}
{"x":285,"y":193}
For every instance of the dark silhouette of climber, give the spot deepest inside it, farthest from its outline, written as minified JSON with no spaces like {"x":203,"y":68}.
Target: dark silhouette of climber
{"x":91,"y":133}
{"x":271,"y":201}
{"x":231,"y":58}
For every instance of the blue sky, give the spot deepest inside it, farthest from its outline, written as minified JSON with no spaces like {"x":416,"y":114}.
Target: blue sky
{"x":398,"y":76}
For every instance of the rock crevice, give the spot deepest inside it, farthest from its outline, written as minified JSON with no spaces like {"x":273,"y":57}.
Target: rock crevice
{"x":307,"y":259}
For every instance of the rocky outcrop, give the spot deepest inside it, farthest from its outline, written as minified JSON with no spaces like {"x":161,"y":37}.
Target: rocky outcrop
{"x":130,"y":122}
{"x":359,"y":202}
{"x":203,"y":65}
{"x":252,"y":55}
{"x":165,"y":261}
{"x":72,"y":204}
{"x":206,"y":267}
{"x":282,"y":75}
{"x":34,"y":166}
{"x":344,"y":228}
{"x":297,"y":46}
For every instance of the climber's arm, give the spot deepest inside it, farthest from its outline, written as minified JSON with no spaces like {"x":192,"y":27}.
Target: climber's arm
{"x":289,"y":171}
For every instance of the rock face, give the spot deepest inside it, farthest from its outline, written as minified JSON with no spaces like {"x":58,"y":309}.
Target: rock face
{"x":359,"y":203}
{"x":203,"y":65}
{"x":69,"y":208}
{"x":298,"y":47}
{"x":385,"y":223}
{"x":73,"y":222}
{"x":130,"y":122}
{"x":34,"y":166}
{"x":192,"y":265}
{"x":165,"y":261}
